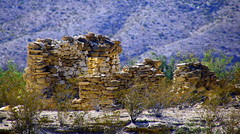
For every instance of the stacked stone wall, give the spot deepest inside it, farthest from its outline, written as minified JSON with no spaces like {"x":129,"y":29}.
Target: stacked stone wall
{"x":193,"y":76}
{"x":53,"y":62}
{"x":90,"y":64}
{"x":100,"y":91}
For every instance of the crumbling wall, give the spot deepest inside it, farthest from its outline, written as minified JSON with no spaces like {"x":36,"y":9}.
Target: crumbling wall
{"x":53,"y":62}
{"x":93,"y":61}
{"x":193,"y":76}
{"x":100,"y":91}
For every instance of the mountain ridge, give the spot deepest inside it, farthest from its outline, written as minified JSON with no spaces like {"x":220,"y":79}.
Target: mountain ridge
{"x":143,"y":26}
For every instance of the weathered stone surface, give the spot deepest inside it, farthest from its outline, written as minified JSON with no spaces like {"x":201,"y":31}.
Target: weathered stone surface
{"x":52,"y":62}
{"x":108,"y":85}
{"x":193,"y":75}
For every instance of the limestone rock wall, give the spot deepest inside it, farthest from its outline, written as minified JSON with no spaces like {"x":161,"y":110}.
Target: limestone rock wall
{"x":93,"y":61}
{"x":193,"y":76}
{"x":52,"y":62}
{"x":100,"y":91}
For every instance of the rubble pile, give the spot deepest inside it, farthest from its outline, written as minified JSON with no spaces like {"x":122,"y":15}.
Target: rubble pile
{"x":193,"y":76}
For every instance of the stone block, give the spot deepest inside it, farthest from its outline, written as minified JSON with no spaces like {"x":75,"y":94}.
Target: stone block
{"x":83,"y":83}
{"x":111,"y":88}
{"x":112,"y":83}
{"x":41,"y":80}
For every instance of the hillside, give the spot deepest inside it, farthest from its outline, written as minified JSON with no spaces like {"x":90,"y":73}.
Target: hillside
{"x":143,"y":26}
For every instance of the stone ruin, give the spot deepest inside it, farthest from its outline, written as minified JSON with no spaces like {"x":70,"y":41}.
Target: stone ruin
{"x":101,"y":90}
{"x":52,"y":62}
{"x":193,"y":76}
{"x":90,"y":65}
{"x":93,"y":60}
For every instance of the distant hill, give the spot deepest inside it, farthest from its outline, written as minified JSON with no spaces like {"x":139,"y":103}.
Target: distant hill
{"x":144,"y":26}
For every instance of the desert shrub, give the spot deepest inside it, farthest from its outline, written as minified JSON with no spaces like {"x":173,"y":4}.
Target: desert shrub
{"x":133,"y":102}
{"x":79,"y":121}
{"x":218,"y":121}
{"x":158,"y":97}
{"x":231,"y":124}
{"x":14,"y":93}
{"x":25,"y":115}
{"x":132,"y":99}
{"x":63,"y":94}
{"x":143,"y":95}
{"x":131,"y":62}
{"x":62,"y":100}
{"x":186,"y":58}
{"x":217,"y":62}
{"x":226,"y":71}
{"x":11,"y":85}
{"x":215,"y":118}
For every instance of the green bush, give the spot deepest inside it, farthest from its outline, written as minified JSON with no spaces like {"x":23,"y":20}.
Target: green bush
{"x":218,"y":63}
{"x":25,"y":115}
{"x":166,"y":67}
{"x":12,"y":85}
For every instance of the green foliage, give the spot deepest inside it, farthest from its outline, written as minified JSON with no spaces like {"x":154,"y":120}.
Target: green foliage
{"x":217,"y":63}
{"x":13,"y":92}
{"x":131,"y":62}
{"x":25,"y":115}
{"x":11,"y":85}
{"x":187,"y":58}
{"x":166,"y":67}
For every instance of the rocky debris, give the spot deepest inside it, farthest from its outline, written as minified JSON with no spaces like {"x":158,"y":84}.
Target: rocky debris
{"x":193,"y":76}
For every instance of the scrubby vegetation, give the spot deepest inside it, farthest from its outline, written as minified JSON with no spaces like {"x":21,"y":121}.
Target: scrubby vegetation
{"x":25,"y":106}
